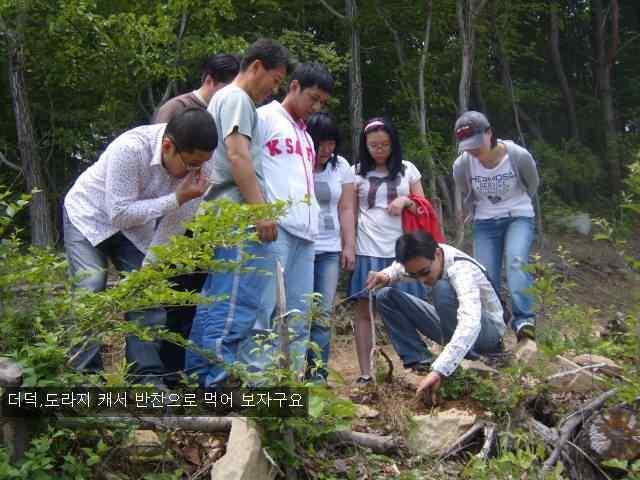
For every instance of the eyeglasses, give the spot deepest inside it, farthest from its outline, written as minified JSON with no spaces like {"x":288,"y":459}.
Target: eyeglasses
{"x":378,"y":146}
{"x":187,"y":167}
{"x":420,"y":273}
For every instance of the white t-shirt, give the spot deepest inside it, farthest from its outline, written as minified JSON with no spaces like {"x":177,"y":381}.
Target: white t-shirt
{"x":377,"y":229}
{"x":498,"y":191}
{"x":328,"y":187}
{"x":287,"y":155}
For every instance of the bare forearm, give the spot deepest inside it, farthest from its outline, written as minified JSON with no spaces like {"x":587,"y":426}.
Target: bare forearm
{"x":245,"y":177}
{"x":242,"y":169}
{"x":348,"y":228}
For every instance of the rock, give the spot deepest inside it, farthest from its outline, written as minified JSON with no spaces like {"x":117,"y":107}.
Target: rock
{"x":569,"y":378}
{"x":479,"y":367}
{"x":410,"y":380}
{"x":146,"y":447}
{"x":245,"y":458}
{"x":611,"y":367}
{"x":146,"y":439}
{"x":613,"y":434}
{"x":433,"y":435}
{"x":580,"y":222}
{"x":526,"y":351}
{"x":363,"y":411}
{"x":10,"y":373}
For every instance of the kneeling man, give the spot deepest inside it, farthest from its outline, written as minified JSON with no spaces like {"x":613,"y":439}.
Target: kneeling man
{"x":466,"y":316}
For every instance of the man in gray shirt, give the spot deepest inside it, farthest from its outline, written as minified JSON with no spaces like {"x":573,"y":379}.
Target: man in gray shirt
{"x":238,"y":175}
{"x":217,"y":72}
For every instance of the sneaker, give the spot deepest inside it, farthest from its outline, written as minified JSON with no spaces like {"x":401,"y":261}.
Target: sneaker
{"x":419,"y":367}
{"x":526,"y":332}
{"x":364,"y":380}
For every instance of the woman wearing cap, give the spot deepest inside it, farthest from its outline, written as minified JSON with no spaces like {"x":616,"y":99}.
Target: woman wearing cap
{"x":383,"y":182}
{"x":497,"y":180}
{"x":335,"y":242}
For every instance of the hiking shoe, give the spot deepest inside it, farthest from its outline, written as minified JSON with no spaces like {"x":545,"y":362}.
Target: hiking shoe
{"x":526,"y":332}
{"x":419,"y":367}
{"x":364,"y":380}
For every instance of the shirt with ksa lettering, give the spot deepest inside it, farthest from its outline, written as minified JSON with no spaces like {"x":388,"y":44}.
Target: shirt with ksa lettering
{"x":287,"y":155}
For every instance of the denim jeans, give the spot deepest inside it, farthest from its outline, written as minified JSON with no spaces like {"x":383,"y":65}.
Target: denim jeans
{"x":405,"y":315}
{"x":325,"y":282}
{"x":89,"y":263}
{"x":296,"y":255}
{"x":230,"y":327}
{"x":510,"y":238}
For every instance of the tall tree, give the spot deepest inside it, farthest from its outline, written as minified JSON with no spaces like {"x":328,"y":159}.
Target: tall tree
{"x":350,"y":18}
{"x":467,"y":12}
{"x":30,"y":159}
{"x":605,"y":57}
{"x":415,"y":95}
{"x":556,"y":57}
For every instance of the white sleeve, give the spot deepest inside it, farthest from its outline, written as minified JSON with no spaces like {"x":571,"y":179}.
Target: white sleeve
{"x":125,"y":172}
{"x":463,"y":280}
{"x":346,"y":172}
{"x":412,"y":173}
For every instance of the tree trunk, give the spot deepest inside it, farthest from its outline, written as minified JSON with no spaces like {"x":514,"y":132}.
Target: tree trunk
{"x":468,"y":45}
{"x":567,"y":93}
{"x":171,"y":85}
{"x":507,"y":82}
{"x":355,"y":77}
{"x":477,"y":91}
{"x":422,"y":103}
{"x":604,"y":63}
{"x":467,"y":11}
{"x":39,"y":215}
{"x":418,"y":108}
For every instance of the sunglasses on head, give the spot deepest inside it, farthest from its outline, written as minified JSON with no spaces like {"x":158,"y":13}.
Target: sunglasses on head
{"x":464,"y":132}
{"x":467,"y":131}
{"x":420,"y":273}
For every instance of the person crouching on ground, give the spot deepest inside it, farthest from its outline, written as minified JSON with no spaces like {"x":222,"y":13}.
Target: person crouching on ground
{"x":466,"y":316}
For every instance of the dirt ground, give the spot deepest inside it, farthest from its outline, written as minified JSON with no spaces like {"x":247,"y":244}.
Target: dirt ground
{"x":601,"y":279}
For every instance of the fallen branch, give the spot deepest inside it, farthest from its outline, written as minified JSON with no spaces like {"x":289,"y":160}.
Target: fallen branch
{"x":196,"y":424}
{"x":572,"y":423}
{"x":549,"y":435}
{"x":377,"y":443}
{"x":389,"y":378}
{"x":576,"y":370}
{"x":589,"y":459}
{"x":490,"y":434}
{"x":462,"y":442}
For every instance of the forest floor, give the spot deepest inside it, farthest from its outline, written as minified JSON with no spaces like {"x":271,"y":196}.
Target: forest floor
{"x":594,"y":276}
{"x":590,"y":286}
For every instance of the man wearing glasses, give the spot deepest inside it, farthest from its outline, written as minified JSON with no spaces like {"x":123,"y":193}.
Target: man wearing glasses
{"x":139,"y":193}
{"x":466,"y":316}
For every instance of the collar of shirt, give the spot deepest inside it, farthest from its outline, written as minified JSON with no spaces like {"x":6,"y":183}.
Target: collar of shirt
{"x":196,"y":94}
{"x":298,"y":123}
{"x":157,"y":151}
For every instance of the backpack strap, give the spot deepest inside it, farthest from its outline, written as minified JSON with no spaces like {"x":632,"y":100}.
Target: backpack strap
{"x":482,"y":269}
{"x":506,"y":316}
